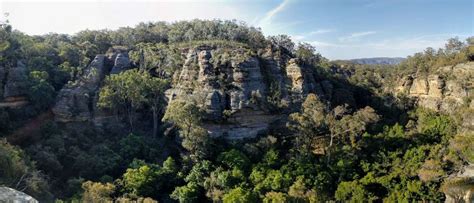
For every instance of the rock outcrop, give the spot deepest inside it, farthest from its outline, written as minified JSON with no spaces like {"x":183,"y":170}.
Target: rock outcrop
{"x":445,"y":90}
{"x":10,"y":195}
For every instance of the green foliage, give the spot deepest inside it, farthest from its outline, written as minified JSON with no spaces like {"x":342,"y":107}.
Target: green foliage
{"x":187,"y":193}
{"x":319,"y":129}
{"x":187,"y":116}
{"x":234,"y":159}
{"x":463,"y":146}
{"x":436,"y":127}
{"x":265,"y":180}
{"x":299,"y":193}
{"x":352,"y":192}
{"x":131,"y":90}
{"x":97,"y":192}
{"x":142,"y":181}
{"x":307,"y":54}
{"x":239,"y":195}
{"x":275,"y":197}
{"x":18,"y":172}
{"x":309,"y":124}
{"x":283,"y":41}
{"x":455,"y":52}
{"x":157,"y":58}
{"x":40,"y":90}
{"x":274,"y":96}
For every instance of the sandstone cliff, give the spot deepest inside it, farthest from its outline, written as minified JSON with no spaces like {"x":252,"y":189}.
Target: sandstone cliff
{"x":242,"y":91}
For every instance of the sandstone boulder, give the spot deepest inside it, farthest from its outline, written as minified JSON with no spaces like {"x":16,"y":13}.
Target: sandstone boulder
{"x":11,"y":195}
{"x":121,"y":63}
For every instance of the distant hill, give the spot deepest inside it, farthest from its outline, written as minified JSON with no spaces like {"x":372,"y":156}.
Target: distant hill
{"x":378,"y":60}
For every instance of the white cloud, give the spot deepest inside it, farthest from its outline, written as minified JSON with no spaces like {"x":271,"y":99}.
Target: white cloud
{"x":270,"y":14}
{"x":356,"y":35}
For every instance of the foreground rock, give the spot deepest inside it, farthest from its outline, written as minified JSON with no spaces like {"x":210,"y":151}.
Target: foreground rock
{"x":10,"y":195}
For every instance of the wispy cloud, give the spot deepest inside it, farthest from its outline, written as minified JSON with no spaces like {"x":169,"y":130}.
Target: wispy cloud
{"x":391,"y":47}
{"x":307,"y":35}
{"x":320,"y":44}
{"x":270,"y":14}
{"x":321,"y":31}
{"x":356,"y":35}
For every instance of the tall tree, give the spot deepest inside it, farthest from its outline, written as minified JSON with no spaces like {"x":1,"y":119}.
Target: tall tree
{"x":187,"y":116}
{"x":131,"y":90}
{"x":309,"y":124}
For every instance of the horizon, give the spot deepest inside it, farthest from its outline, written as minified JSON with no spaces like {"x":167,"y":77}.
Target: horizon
{"x":358,"y":29}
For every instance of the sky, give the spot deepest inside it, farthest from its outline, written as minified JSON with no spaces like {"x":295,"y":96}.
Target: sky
{"x":339,"y":29}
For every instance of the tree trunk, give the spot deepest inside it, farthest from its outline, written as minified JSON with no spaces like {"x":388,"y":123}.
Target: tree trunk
{"x":155,"y":120}
{"x":130,"y":118}
{"x":329,"y":149}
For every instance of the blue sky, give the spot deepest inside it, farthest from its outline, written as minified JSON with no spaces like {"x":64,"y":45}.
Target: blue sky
{"x":340,"y":29}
